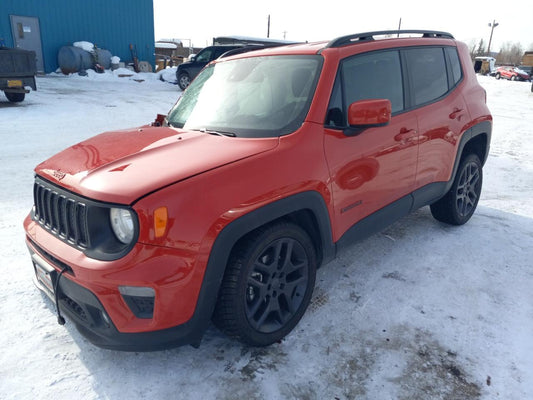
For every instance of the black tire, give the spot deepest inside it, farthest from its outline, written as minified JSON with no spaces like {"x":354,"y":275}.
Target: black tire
{"x":513,"y":78}
{"x":184,"y":80}
{"x":497,"y":76}
{"x":458,"y":205}
{"x":15,"y":97}
{"x":267,"y":285}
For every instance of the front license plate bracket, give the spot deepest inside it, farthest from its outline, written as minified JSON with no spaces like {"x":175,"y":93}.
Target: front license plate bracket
{"x":45,"y":275}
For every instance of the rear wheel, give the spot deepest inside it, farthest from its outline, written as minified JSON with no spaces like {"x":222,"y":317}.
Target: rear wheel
{"x":15,"y":97}
{"x":513,"y":78}
{"x":458,"y":205}
{"x":267,"y":285}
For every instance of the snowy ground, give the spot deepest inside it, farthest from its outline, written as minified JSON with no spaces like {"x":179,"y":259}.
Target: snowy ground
{"x":419,"y":311}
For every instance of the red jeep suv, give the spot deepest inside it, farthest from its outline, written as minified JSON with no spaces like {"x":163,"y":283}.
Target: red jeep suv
{"x":512,"y":73}
{"x":269,"y":164}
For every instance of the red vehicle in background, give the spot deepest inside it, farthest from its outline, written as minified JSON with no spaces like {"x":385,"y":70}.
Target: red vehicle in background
{"x":512,"y":73}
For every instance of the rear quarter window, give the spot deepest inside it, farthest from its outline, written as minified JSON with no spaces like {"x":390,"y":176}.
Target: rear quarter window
{"x":455,"y":64}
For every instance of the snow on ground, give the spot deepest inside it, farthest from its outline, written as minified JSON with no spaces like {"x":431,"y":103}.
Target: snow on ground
{"x":167,"y":74}
{"x":419,"y":311}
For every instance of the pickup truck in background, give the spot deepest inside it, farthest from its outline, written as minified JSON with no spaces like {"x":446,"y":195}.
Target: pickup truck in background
{"x":17,"y":71}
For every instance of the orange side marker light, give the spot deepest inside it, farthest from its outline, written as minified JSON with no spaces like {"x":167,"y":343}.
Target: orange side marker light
{"x":160,"y":221}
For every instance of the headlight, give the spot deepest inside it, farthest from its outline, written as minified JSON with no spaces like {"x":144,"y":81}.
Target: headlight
{"x":122,"y":224}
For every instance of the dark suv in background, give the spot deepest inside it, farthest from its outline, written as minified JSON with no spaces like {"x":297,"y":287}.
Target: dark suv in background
{"x":223,"y":46}
{"x":187,"y":71}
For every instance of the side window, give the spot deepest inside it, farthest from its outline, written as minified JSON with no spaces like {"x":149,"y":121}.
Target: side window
{"x":455,"y":64}
{"x":375,"y":75}
{"x":427,"y":72}
{"x":204,"y":55}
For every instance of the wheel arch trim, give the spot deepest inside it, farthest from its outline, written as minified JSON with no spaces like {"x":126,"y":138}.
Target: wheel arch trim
{"x":235,"y":230}
{"x":476,"y":131}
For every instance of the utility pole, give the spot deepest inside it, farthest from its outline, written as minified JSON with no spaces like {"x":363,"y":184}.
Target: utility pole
{"x":492,"y":25}
{"x":268,"y":26}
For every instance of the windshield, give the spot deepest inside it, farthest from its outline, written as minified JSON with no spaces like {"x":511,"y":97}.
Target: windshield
{"x":249,"y":97}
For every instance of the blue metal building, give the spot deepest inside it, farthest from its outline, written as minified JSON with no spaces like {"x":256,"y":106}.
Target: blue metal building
{"x":46,"y":26}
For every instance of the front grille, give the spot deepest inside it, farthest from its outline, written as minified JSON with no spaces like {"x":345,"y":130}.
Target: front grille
{"x":62,"y":215}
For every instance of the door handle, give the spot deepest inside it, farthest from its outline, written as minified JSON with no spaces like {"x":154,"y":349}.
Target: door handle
{"x":456,"y":113}
{"x":405,"y":134}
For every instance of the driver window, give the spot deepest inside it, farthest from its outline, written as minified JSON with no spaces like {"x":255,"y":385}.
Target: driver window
{"x":204,"y":55}
{"x":376,"y":75}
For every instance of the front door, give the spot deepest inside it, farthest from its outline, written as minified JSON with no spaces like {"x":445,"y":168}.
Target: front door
{"x":27,"y":36}
{"x":373,"y":167}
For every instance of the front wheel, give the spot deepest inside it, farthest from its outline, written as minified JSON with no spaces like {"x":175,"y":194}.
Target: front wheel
{"x":497,"y":76}
{"x":513,"y":78}
{"x":267,"y":285}
{"x":184,"y":80}
{"x":458,"y":205}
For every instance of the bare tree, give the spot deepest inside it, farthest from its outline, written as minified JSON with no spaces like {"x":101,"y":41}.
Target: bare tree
{"x":472,"y":47}
{"x":510,"y":53}
{"x":480,"y":48}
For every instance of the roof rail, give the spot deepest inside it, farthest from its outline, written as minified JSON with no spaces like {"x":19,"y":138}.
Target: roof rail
{"x":360,"y":37}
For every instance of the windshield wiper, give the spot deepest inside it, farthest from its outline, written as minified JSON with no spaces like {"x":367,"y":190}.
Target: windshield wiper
{"x":219,"y":133}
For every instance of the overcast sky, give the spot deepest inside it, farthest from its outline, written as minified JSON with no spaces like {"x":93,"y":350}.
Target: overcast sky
{"x":312,"y":21}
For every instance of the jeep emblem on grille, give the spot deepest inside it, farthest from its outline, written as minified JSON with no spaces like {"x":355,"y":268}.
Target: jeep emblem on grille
{"x":59,"y":175}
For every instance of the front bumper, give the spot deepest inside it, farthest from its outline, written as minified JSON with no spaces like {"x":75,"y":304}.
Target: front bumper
{"x":84,"y":309}
{"x":88,"y":294}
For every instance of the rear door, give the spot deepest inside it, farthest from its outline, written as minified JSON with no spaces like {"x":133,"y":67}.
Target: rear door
{"x":373,"y":167}
{"x":27,"y":36}
{"x":435,"y":75}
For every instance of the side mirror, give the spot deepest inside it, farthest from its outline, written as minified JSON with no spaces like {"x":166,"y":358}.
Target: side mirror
{"x":369,"y":113}
{"x":192,"y":58}
{"x":159,"y":120}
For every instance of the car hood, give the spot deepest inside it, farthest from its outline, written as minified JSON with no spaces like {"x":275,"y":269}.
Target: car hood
{"x":122,"y":166}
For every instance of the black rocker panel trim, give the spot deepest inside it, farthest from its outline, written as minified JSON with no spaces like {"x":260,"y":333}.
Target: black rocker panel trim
{"x":376,"y":222}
